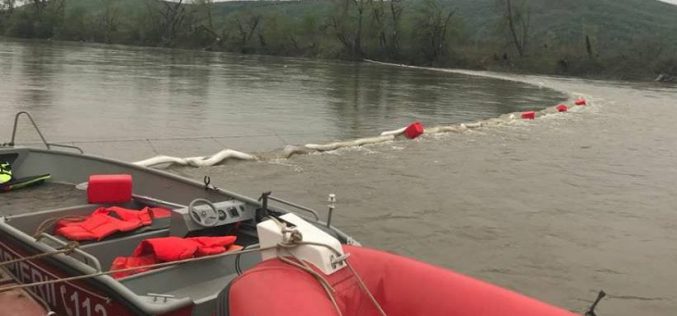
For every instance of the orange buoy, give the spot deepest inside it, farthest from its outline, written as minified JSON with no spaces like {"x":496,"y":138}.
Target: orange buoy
{"x":562,"y":108}
{"x":413,"y":130}
{"x":581,"y":101}
{"x":529,"y":115}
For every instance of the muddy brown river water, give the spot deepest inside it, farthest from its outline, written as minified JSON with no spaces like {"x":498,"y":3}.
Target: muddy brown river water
{"x":131,"y":103}
{"x":557,"y":208}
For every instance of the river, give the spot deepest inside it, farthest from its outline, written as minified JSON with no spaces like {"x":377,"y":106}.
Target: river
{"x":132,"y":103}
{"x":556,"y":208}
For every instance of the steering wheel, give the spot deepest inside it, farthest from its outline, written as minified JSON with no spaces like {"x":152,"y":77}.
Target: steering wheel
{"x":203,"y":217}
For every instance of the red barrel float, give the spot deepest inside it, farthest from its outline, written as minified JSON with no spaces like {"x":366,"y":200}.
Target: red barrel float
{"x":581,"y":101}
{"x":562,"y":108}
{"x":413,"y":130}
{"x":529,"y":115}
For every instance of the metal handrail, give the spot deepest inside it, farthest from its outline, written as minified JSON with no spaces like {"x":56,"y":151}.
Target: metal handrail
{"x":89,"y":259}
{"x":297,"y":206}
{"x":37,"y":129}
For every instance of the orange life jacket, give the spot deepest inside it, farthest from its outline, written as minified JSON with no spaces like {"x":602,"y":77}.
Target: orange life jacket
{"x":167,"y":249}
{"x":104,"y":222}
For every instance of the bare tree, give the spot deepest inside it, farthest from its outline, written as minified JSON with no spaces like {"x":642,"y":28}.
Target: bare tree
{"x":348,"y":31}
{"x":247,"y":24}
{"x":588,"y":46}
{"x":202,"y":23}
{"x":386,"y":19}
{"x":7,"y":6}
{"x":518,"y":19}
{"x":172,"y":17}
{"x":109,"y":20}
{"x":203,"y":10}
{"x":340,"y":23}
{"x":39,"y":6}
{"x":396,"y":9}
{"x":433,"y":22}
{"x":360,"y":5}
{"x":310,"y":33}
{"x":379,"y":20}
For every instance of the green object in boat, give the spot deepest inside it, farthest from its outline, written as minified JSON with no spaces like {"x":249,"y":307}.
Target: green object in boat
{"x":5,"y":172}
{"x":16,"y":184}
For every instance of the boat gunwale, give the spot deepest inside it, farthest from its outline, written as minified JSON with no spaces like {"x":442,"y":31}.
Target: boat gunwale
{"x":169,"y":175}
{"x":71,"y":266}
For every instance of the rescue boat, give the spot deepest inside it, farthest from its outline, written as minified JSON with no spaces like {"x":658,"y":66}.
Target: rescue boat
{"x":141,"y":241}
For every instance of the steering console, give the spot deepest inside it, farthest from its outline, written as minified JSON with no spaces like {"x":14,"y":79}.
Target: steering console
{"x":206,"y":215}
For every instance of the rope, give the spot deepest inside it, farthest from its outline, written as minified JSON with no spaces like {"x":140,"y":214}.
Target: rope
{"x":150,"y":144}
{"x":35,"y":296}
{"x":291,"y":238}
{"x":325,"y":284}
{"x":180,"y":138}
{"x":366,"y":290}
{"x":66,"y":250}
{"x":150,"y":266}
{"x":360,"y":282}
{"x":44,"y":225}
{"x":72,"y":245}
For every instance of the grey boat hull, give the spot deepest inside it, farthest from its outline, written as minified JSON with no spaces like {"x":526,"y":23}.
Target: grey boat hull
{"x":188,"y":289}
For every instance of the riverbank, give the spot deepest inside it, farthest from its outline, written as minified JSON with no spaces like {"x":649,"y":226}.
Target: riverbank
{"x":557,"y":208}
{"x":629,"y":39}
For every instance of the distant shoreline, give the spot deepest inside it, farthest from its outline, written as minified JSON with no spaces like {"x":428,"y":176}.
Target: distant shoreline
{"x":503,"y":74}
{"x":625,"y":43}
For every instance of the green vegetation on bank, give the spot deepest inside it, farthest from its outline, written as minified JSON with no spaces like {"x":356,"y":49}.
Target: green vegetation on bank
{"x":624,"y":39}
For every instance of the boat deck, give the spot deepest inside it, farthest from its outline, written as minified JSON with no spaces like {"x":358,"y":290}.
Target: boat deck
{"x":42,"y":197}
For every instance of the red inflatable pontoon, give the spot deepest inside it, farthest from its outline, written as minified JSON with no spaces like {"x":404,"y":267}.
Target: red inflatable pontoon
{"x":402,"y":286}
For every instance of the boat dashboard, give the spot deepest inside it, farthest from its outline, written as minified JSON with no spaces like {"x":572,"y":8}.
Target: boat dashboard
{"x":203,"y":214}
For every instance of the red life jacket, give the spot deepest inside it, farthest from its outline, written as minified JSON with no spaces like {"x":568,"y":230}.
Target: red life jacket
{"x":104,"y":222}
{"x":131,"y":262}
{"x":167,"y":249}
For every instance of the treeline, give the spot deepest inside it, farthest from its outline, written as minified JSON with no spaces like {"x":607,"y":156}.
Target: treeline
{"x":421,"y":32}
